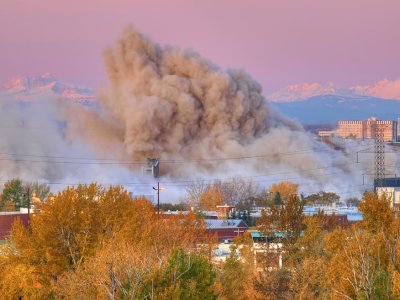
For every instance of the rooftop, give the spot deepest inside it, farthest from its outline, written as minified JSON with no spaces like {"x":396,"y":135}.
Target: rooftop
{"x":224,"y":224}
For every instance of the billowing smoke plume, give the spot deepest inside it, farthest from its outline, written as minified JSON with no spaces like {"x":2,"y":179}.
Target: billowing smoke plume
{"x":201,"y":121}
{"x":173,"y":104}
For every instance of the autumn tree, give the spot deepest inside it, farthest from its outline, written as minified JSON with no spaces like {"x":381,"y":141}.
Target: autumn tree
{"x":71,"y":226}
{"x":285,"y":189}
{"x":289,"y":218}
{"x":97,"y":243}
{"x":380,"y":220}
{"x":376,"y":211}
{"x":274,"y":284}
{"x":194,"y":192}
{"x":358,"y":267}
{"x":211,"y":198}
{"x":39,"y":190}
{"x":238,"y":192}
{"x":17,"y":194}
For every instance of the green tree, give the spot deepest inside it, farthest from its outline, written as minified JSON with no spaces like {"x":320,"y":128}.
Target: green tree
{"x":173,"y":207}
{"x":352,"y":201}
{"x":322,"y":198}
{"x":13,"y":191}
{"x":233,"y":277}
{"x":277,"y":199}
{"x":186,"y":276}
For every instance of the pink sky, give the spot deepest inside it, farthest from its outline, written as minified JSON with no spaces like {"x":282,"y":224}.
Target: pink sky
{"x":279,"y":42}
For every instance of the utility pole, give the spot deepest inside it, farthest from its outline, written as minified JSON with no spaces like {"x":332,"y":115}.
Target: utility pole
{"x":158,"y":200}
{"x":29,"y":205}
{"x":158,"y":189}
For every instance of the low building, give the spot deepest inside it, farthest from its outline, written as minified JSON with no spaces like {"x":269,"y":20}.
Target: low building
{"x":327,"y":133}
{"x":390,"y":187}
{"x":224,"y":211}
{"x":267,"y":250}
{"x":226,"y":229}
{"x":341,"y":215}
{"x":7,"y":219}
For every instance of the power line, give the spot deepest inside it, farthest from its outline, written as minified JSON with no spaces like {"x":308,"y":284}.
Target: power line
{"x":211,"y":180}
{"x":141,"y":162}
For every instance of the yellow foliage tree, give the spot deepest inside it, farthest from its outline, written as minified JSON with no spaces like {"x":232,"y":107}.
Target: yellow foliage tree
{"x":358,"y":267}
{"x":376,"y":211}
{"x":88,"y":242}
{"x":285,"y":189}
{"x":211,"y":198}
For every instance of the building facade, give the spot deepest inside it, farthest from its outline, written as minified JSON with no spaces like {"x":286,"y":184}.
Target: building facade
{"x":327,"y":133}
{"x":367,"y":129}
{"x":7,"y":219}
{"x":390,"y":187}
{"x":392,"y":194}
{"x":225,"y":229}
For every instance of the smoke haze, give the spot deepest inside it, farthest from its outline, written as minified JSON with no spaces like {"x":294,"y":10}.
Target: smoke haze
{"x":201,"y":121}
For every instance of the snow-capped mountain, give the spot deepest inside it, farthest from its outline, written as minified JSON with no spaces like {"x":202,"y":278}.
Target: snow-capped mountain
{"x":385,"y":89}
{"x":310,"y":103}
{"x":298,"y":92}
{"x":31,"y":88}
{"x":313,"y":103}
{"x":332,"y":108}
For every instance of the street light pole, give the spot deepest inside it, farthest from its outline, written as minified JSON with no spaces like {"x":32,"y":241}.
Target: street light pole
{"x":29,"y":205}
{"x":158,"y":200}
{"x":158,"y":189}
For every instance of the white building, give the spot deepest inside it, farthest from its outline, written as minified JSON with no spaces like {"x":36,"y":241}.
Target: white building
{"x":392,"y":194}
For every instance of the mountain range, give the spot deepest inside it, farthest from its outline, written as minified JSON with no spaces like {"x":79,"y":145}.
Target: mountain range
{"x":23,"y":89}
{"x":314,"y":103}
{"x":309,"y":103}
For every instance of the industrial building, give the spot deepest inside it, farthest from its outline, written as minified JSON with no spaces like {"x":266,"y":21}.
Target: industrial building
{"x":367,"y":129}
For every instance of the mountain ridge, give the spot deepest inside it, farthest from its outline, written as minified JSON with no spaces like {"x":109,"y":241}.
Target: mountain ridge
{"x":384,"y":89}
{"x":309,"y":103}
{"x":25,"y":88}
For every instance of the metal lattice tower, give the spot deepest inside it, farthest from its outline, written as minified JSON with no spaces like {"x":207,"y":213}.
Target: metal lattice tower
{"x":379,"y":152}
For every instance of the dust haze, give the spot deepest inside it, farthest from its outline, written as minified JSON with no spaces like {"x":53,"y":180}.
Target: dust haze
{"x":200,"y":120}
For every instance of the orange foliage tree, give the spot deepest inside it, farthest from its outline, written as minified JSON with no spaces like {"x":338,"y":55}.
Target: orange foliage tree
{"x":88,"y":235}
{"x":285,"y":189}
{"x":211,"y":198}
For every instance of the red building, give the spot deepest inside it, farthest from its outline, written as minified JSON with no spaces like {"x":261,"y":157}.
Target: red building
{"x":226,"y":229}
{"x":7,"y":219}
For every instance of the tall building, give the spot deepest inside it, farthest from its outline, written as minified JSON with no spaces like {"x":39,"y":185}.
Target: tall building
{"x":367,"y":129}
{"x":351,"y":129}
